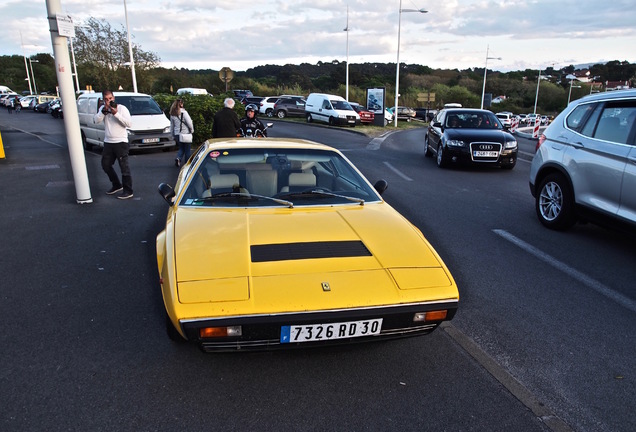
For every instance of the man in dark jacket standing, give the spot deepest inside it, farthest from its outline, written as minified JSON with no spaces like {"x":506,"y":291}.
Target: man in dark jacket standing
{"x":226,"y":121}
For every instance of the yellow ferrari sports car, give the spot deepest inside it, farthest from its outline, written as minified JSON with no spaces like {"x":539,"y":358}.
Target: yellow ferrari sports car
{"x":283,"y":243}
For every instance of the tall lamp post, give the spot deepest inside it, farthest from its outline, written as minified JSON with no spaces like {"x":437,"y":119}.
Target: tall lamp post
{"x":35,"y":88}
{"x":130,"y":51}
{"x":397,"y":72}
{"x":570,"y":92}
{"x":483,"y":90}
{"x":347,"y":72}
{"x":536,"y":97}
{"x":74,"y":67}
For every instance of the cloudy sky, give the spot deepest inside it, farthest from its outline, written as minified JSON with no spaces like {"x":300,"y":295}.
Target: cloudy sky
{"x":202,"y":34}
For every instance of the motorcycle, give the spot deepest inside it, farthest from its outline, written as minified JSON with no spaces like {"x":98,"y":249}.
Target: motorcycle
{"x":254,"y":133}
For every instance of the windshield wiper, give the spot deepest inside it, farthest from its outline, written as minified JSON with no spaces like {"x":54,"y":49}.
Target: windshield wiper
{"x":222,"y":195}
{"x":319,"y":192}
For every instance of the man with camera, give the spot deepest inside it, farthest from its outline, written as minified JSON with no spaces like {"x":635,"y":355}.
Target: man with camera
{"x":116,"y":119}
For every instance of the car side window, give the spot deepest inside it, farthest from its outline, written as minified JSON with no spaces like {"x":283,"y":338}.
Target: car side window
{"x":579,"y":116}
{"x":616,"y":122}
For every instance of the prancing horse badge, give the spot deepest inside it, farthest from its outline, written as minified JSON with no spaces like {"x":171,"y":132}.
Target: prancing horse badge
{"x":325,"y":286}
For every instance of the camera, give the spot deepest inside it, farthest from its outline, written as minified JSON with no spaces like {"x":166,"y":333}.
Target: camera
{"x":113,"y":104}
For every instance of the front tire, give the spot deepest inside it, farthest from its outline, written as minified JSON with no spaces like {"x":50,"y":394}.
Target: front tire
{"x":332,"y":121}
{"x":309,"y":119}
{"x":172,"y":332}
{"x":427,"y":152}
{"x":441,"y":157}
{"x":554,"y":202}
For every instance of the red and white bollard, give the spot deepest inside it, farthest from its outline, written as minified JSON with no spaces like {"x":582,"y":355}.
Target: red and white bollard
{"x":535,"y":131}
{"x":515,"y":125}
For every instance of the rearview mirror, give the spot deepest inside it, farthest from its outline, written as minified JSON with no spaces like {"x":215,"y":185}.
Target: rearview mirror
{"x":166,"y":191}
{"x":380,"y":186}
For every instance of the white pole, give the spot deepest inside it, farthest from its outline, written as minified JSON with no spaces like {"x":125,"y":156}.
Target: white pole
{"x":397,"y":72}
{"x":35,"y":88}
{"x":25,"y":65}
{"x":536,"y":98}
{"x":483,"y":90}
{"x":347,"y":30}
{"x":77,"y":87}
{"x":130,"y":51}
{"x":71,"y":119}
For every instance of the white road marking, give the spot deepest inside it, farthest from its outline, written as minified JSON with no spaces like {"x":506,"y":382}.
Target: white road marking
{"x":398,"y":172}
{"x":581,"y":277}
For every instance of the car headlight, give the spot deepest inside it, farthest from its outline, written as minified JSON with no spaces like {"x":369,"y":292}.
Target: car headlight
{"x":510,"y":144}
{"x":130,"y":132}
{"x":455,"y":143}
{"x":166,"y":129}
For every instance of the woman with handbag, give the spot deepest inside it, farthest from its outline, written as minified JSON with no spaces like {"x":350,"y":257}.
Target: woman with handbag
{"x":182,"y":128}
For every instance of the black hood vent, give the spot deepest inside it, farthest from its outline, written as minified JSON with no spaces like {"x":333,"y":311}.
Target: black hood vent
{"x":308,"y":250}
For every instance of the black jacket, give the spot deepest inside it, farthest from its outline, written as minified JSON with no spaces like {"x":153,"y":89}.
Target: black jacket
{"x":252,"y":125}
{"x":226,"y":123}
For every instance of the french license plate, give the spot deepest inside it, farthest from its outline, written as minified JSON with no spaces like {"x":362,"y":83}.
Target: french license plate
{"x":319,"y":332}
{"x":149,"y":140}
{"x":485,"y":154}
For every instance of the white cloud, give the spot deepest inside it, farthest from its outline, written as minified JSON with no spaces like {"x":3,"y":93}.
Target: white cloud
{"x":453,"y":34}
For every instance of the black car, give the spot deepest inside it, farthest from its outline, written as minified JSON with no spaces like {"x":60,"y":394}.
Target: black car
{"x":42,"y":107}
{"x":256,"y":100}
{"x":471,"y":136}
{"x":289,"y":107}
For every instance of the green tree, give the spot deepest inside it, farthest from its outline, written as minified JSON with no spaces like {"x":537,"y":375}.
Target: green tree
{"x":102,"y":55}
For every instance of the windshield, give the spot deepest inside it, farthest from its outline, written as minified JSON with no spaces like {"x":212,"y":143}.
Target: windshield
{"x":275,"y":177}
{"x":472,"y":120}
{"x":341,"y":105}
{"x":139,"y":105}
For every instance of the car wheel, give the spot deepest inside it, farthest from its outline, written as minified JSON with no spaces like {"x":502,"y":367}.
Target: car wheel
{"x":428,"y":152}
{"x":172,"y":332}
{"x":555,"y":202}
{"x":85,"y":144}
{"x":269,"y":112}
{"x":332,"y":121}
{"x":441,"y":157}
{"x":309,"y":119}
{"x":281,"y":114}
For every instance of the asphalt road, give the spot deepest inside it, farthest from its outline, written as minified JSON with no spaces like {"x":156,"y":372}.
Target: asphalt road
{"x":534,"y":346}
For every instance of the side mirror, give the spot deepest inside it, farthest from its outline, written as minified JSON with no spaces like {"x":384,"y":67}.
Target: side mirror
{"x":437,"y":124}
{"x":269,"y":125}
{"x":166,"y":191}
{"x":380,"y":186}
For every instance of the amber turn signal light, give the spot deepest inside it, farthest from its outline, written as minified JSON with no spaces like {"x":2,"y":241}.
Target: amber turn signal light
{"x":430,"y":316}
{"x":212,"y":332}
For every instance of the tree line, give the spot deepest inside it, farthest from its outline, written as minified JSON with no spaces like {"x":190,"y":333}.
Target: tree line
{"x":102,"y":57}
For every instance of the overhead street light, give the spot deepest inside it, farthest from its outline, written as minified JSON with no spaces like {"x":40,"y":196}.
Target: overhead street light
{"x":570,"y":92}
{"x":483,"y":91}
{"x":397,"y":73}
{"x":130,"y":51}
{"x":35,"y":88}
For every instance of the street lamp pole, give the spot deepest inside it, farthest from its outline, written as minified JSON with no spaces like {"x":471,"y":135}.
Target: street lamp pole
{"x":397,"y":72}
{"x":483,"y":90}
{"x":26,"y":66}
{"x":536,"y":97}
{"x":130,"y":51}
{"x":347,"y":73}
{"x":570,"y":92}
{"x":35,"y":88}
{"x":74,"y":67}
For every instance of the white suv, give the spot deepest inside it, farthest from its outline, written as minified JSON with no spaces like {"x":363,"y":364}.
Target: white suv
{"x":585,"y":164}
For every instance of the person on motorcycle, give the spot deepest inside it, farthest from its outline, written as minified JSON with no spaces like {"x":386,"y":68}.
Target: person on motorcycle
{"x":250,"y":125}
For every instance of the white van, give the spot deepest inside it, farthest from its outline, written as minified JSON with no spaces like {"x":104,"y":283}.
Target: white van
{"x":6,"y":90}
{"x":150,"y":126}
{"x":331,"y":109}
{"x":193,"y":91}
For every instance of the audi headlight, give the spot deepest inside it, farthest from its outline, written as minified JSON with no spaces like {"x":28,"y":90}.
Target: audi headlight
{"x":510,"y":144}
{"x":455,"y":143}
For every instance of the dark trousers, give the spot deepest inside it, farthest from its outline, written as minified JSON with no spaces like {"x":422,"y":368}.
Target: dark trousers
{"x":183,"y":154}
{"x":117,"y":151}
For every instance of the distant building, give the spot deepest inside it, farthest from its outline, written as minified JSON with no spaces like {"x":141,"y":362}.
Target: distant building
{"x":616,"y":85}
